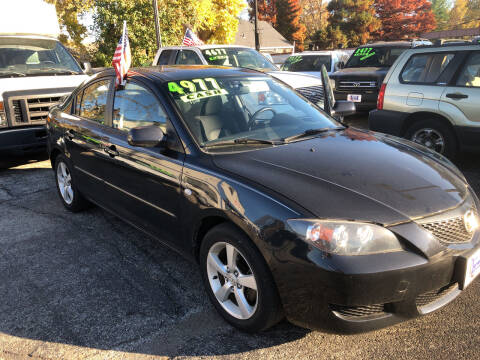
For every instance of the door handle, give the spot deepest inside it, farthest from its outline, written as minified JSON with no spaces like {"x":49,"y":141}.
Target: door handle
{"x":456,"y":96}
{"x":111,"y":150}
{"x":69,"y":134}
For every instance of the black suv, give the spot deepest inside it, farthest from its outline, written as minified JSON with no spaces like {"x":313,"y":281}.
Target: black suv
{"x":361,"y":77}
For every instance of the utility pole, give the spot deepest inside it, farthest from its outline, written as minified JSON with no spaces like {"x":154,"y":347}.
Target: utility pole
{"x":257,"y":38}
{"x":157,"y":25}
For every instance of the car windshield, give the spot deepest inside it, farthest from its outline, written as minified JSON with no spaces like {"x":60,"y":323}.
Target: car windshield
{"x":374,"y":57}
{"x":225,"y":110}
{"x":26,"y":56}
{"x":238,"y":57}
{"x":307,"y":63}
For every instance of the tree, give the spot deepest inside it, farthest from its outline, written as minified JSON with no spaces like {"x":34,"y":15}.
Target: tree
{"x":214,"y":20}
{"x":288,"y":21}
{"x":404,"y":18}
{"x":441,"y":9}
{"x":68,"y":12}
{"x":267,"y":10}
{"x":314,"y":16}
{"x":329,"y":38}
{"x":356,"y":19}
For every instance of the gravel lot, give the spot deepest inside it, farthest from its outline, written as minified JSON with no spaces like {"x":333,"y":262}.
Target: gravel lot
{"x":89,"y":286}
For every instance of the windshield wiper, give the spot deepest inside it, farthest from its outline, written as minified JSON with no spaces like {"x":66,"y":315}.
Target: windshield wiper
{"x":9,"y":73}
{"x":310,"y":132}
{"x":243,"y":141}
{"x":58,"y":71}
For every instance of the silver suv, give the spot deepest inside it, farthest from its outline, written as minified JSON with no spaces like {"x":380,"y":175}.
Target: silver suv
{"x":431,"y":96}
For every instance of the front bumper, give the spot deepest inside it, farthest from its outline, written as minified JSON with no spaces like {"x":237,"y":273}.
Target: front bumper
{"x":362,"y":293}
{"x":32,"y":138}
{"x":369,"y":98}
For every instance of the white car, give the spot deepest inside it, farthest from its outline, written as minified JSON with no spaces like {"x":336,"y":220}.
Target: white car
{"x":239,"y":56}
{"x":36,"y":72}
{"x":310,"y":62}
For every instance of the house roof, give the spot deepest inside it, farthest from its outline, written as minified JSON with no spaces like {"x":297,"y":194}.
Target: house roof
{"x":268,"y":36}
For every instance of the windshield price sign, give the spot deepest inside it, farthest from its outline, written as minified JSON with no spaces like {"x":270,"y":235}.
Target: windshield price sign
{"x":364,"y":53}
{"x":196,"y":89}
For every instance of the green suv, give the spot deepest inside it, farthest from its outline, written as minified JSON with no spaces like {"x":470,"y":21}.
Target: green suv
{"x":431,"y":96}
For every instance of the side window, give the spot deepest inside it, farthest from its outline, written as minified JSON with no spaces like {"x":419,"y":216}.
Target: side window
{"x":470,"y":75}
{"x":164,"y":57}
{"x":425,"y":68}
{"x":187,"y":57}
{"x":94,"y":101}
{"x":136,"y":106}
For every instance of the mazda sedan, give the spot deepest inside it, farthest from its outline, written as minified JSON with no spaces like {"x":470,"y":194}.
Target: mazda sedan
{"x":288,"y":212}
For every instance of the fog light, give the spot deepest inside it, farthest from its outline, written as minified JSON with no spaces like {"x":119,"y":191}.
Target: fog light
{"x":471,"y":221}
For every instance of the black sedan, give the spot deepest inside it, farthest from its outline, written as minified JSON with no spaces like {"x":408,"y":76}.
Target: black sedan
{"x":288,"y":212}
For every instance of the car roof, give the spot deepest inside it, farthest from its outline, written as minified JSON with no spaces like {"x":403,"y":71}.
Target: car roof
{"x":309,"y":53}
{"x":166,"y":73}
{"x":204,"y":47}
{"x":405,"y":44}
{"x":447,"y":47}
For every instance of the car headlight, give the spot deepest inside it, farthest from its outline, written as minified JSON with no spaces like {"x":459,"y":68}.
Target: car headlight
{"x":332,"y":83}
{"x":346,"y":237}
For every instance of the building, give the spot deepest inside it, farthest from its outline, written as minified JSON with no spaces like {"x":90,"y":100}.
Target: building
{"x":271,"y":41}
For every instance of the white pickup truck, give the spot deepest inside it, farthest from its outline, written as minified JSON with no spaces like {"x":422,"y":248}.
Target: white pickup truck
{"x":36,"y":71}
{"x":240,"y":56}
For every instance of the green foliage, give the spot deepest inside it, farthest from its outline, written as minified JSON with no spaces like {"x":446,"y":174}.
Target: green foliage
{"x":355,"y":19}
{"x":441,"y":9}
{"x":215,"y":21}
{"x":329,"y":38}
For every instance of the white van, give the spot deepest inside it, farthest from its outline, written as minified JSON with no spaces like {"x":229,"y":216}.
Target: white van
{"x":310,"y":62}
{"x":36,"y":71}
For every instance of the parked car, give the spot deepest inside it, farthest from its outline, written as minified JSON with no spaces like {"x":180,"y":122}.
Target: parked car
{"x":36,"y":71}
{"x":239,"y":56}
{"x":310,"y":62}
{"x":431,"y":96}
{"x":287,"y":212}
{"x":362,"y":75}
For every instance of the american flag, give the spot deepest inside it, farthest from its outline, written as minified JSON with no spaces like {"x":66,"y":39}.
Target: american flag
{"x":122,"y":59}
{"x":190,"y":39}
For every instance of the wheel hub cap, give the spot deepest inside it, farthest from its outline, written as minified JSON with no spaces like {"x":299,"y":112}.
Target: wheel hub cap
{"x":430,"y":138}
{"x":232,"y":280}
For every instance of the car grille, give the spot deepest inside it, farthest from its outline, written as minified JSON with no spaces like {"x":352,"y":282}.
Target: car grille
{"x":357,"y":85}
{"x":434,"y":295}
{"x":312,"y":93}
{"x":358,"y":311}
{"x":32,"y":110}
{"x":450,"y":231}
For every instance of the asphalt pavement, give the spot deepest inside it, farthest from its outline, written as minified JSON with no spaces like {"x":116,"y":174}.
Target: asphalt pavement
{"x":89,"y":286}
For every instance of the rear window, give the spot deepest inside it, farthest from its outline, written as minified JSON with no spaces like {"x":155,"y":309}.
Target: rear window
{"x":307,"y":63}
{"x":425,"y":68}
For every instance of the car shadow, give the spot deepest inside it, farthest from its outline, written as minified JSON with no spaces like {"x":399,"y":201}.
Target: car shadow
{"x":90,"y":280}
{"x":10,"y":160}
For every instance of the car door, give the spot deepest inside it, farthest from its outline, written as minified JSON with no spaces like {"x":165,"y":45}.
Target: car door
{"x":85,"y":137}
{"x":144,"y":183}
{"x":464,"y":92}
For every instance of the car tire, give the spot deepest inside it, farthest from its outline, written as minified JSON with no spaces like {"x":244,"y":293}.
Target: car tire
{"x":261,"y":307}
{"x":427,"y":132}
{"x":71,"y":198}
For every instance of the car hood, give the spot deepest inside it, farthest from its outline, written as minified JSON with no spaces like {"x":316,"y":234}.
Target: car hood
{"x":359,"y":73}
{"x":295,"y":79}
{"x":353,"y":175}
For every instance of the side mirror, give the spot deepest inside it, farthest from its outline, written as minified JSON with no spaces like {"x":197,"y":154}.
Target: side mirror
{"x":146,"y":136}
{"x":87,"y":68}
{"x":339,"y":65}
{"x":343,"y":108}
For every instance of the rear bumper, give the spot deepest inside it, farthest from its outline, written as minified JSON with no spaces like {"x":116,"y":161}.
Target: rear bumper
{"x":369,"y":99}
{"x":24,"y":139}
{"x":387,"y":121}
{"x":468,"y":137}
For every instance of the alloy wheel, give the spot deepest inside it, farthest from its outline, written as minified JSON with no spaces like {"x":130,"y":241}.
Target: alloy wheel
{"x":64,"y":179}
{"x":430,"y":138}
{"x":232,"y":280}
